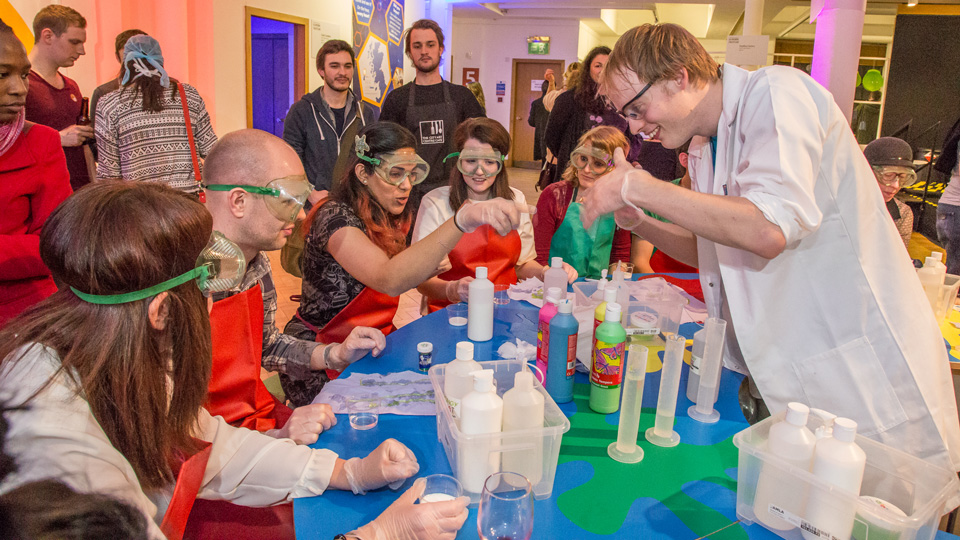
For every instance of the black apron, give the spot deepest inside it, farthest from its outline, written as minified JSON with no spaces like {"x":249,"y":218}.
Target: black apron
{"x":433,"y":126}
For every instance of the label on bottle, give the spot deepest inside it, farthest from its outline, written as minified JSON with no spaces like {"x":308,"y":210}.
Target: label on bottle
{"x":571,"y":354}
{"x":543,"y":340}
{"x":695,"y":363}
{"x":607,"y":362}
{"x":797,"y":521}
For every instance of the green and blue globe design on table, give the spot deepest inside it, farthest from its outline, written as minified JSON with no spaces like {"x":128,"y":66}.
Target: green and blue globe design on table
{"x":684,"y":492}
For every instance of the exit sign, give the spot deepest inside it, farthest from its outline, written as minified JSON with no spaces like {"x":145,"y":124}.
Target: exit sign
{"x":538,"y":45}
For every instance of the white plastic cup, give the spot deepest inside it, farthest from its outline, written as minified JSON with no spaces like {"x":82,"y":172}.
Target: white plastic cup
{"x":441,"y":487}
{"x":457,"y":314}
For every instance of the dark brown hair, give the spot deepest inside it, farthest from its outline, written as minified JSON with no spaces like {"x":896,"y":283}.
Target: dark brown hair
{"x":57,"y":18}
{"x":423,"y":24}
{"x":487,"y":131}
{"x":586,"y":88}
{"x":121,"y":40}
{"x":150,"y":90}
{"x":387,"y":231}
{"x":334,"y":46}
{"x":116,"y":237}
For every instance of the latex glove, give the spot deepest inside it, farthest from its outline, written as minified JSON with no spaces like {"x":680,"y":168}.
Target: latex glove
{"x":572,"y":273}
{"x":389,"y":464}
{"x":443,"y":266}
{"x":75,"y":135}
{"x":459,"y":290}
{"x":406,"y":520}
{"x":359,"y":342}
{"x":501,"y":214}
{"x":306,"y":423}
{"x":628,"y":218}
{"x":608,"y":193}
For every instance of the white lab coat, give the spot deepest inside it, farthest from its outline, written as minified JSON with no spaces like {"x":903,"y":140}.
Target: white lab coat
{"x":839,"y":320}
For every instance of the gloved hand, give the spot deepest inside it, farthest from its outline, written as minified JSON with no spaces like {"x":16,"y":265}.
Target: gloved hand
{"x":443,"y":266}
{"x":628,"y":218}
{"x":572,"y":273}
{"x":610,"y":192}
{"x":359,"y":342}
{"x":501,"y":214}
{"x":405,"y":520}
{"x":306,"y":423}
{"x":457,"y":291}
{"x":389,"y":464}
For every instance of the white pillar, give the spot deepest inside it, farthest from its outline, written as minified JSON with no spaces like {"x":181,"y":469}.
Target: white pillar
{"x":836,"y":48}
{"x":753,"y":17}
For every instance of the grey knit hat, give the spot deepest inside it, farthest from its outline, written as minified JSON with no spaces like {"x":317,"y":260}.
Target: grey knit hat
{"x":889,"y":151}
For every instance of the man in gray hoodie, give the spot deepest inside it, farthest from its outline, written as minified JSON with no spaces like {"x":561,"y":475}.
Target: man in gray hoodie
{"x":321,"y":126}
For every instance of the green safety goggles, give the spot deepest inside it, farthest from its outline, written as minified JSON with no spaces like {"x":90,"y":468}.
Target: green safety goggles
{"x":593,"y":160}
{"x":220,"y":267}
{"x":475,"y":162}
{"x":284,"y":197}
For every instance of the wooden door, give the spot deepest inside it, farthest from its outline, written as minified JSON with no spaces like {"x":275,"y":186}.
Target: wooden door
{"x":525,"y":73}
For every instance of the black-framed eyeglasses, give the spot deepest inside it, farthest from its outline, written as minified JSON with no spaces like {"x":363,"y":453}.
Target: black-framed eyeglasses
{"x":623,"y":111}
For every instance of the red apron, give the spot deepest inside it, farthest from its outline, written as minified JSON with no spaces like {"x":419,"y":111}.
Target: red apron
{"x":370,"y":308}
{"x":236,"y":391}
{"x":483,"y":247}
{"x":662,"y":263}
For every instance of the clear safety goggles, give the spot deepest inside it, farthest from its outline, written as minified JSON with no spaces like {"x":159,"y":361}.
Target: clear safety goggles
{"x":220,"y":267}
{"x":475,"y":162}
{"x":593,"y":160}
{"x":284,"y":197}
{"x":394,"y":168}
{"x":893,"y":176}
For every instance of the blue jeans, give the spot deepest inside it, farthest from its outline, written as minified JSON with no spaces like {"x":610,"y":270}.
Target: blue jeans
{"x":948,"y":232}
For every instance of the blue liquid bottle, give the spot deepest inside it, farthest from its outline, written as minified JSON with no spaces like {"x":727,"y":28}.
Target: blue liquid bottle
{"x":562,"y":353}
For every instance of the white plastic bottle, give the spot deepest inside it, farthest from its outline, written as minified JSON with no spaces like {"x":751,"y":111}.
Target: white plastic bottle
{"x":555,"y":277}
{"x":481,"y":412}
{"x":480,"y":307}
{"x":523,"y":411}
{"x":932,"y":276}
{"x":457,"y":378}
{"x":839,"y":462}
{"x":778,"y":491}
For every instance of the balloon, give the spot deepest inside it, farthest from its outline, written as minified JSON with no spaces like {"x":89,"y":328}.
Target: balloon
{"x":859,"y":80}
{"x":873,"y":80}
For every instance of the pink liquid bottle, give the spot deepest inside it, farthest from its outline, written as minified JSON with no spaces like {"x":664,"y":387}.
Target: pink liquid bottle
{"x":549,"y":309}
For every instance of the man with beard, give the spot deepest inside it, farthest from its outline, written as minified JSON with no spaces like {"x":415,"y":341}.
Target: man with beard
{"x":325,"y":121}
{"x":429,"y":106}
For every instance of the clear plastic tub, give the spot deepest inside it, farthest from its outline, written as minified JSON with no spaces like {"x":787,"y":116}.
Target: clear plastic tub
{"x":948,"y":296}
{"x":515,"y":448}
{"x":658,"y":307}
{"x":918,"y":488}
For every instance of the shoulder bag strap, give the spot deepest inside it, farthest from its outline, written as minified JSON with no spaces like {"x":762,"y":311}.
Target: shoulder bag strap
{"x":186,"y":119}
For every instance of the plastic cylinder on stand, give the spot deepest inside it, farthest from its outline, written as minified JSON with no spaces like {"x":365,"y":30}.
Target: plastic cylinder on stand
{"x":608,"y":362}
{"x":562,"y":359}
{"x":662,"y":433}
{"x":480,"y":307}
{"x":710,"y":368}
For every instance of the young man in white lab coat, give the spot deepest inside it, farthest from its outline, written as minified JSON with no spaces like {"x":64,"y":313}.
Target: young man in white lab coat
{"x":794,"y":245}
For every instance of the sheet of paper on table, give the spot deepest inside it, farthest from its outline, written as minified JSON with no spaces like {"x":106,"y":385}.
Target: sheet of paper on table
{"x":406,"y":392}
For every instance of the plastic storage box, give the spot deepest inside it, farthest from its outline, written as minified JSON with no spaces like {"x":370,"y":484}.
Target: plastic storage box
{"x":948,"y":296}
{"x":507,"y":446}
{"x":916,"y":487}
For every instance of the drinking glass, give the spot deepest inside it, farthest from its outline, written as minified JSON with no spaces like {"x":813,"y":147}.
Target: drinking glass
{"x":501,"y":294}
{"x":506,"y":508}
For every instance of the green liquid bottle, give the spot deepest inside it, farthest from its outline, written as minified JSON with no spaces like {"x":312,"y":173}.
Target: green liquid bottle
{"x":608,"y":362}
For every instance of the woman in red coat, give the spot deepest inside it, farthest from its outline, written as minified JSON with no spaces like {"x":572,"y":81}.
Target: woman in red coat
{"x":33,"y":181}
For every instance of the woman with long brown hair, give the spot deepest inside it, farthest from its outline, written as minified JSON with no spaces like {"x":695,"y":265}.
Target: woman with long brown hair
{"x":154,"y":128}
{"x":356,"y":262}
{"x":110,"y":373}
{"x":482,"y":145}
